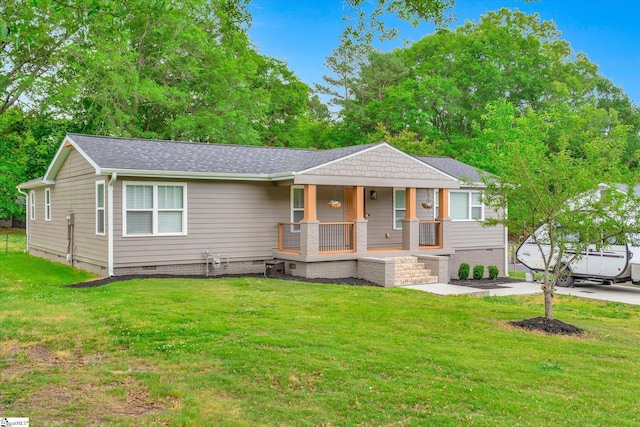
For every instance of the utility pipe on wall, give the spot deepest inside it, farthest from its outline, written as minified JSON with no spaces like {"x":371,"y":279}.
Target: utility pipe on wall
{"x":112,"y":182}
{"x":26,"y":216}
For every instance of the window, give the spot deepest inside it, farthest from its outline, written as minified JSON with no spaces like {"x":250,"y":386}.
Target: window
{"x":436,"y":204}
{"x":47,"y":204}
{"x":100,"y":216}
{"x":32,"y":205}
{"x":399,"y":207}
{"x":297,"y":206}
{"x":466,"y":205}
{"x":154,"y":209}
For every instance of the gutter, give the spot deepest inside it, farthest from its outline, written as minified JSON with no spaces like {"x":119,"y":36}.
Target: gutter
{"x":26,"y":215}
{"x":198,"y":175}
{"x":112,"y":182}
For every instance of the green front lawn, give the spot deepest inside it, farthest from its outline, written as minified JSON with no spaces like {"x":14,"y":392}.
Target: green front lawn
{"x":266,"y":352}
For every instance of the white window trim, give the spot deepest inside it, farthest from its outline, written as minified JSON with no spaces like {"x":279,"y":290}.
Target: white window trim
{"x":47,"y":204}
{"x":103,"y":208}
{"x":32,"y":205}
{"x":295,"y":228}
{"x":395,"y":218}
{"x":436,"y":203}
{"x":471,"y":206}
{"x":155,"y":210}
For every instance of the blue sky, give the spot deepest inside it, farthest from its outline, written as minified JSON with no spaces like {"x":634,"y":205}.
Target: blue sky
{"x":304,"y":32}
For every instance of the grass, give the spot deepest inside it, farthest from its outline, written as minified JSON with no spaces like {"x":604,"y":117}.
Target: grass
{"x":261,"y":352}
{"x":12,"y":240}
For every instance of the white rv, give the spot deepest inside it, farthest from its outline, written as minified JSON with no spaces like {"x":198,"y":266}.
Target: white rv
{"x":607,"y":265}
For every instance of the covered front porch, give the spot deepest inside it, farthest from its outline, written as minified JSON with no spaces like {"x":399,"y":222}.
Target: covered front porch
{"x":346,"y":222}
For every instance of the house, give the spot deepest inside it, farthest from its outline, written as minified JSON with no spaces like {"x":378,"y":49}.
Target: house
{"x":120,"y":206}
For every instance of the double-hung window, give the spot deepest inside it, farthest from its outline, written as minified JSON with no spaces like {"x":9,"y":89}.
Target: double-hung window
{"x":297,"y":206}
{"x":152,"y":209}
{"x":466,"y":205}
{"x":399,"y":207}
{"x":47,"y":204}
{"x":100,"y":213}
{"x":32,"y":205}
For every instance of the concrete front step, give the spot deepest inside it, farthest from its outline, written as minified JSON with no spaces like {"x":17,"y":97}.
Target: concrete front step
{"x":408,"y":271}
{"x":412,"y":273}
{"x":416,"y":281}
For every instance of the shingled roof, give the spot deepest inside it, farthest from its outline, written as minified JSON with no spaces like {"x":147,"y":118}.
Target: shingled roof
{"x":454,"y":168}
{"x":153,"y":155}
{"x":157,"y":158}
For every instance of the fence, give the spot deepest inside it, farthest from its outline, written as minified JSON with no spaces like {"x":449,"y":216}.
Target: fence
{"x":336,"y":237}
{"x":12,"y":242}
{"x":430,"y":233}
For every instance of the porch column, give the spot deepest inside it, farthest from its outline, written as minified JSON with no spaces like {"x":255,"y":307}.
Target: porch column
{"x":411,"y":223}
{"x":410,"y":206}
{"x":309,"y":236}
{"x":443,"y":217}
{"x":310,"y":202}
{"x":359,"y":203}
{"x":361,"y":235}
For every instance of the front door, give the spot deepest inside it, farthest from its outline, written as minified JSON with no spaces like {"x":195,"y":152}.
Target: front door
{"x":349,"y":213}
{"x":349,"y":204}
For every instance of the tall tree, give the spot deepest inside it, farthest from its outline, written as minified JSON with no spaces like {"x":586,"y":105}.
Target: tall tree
{"x":454,"y":74}
{"x":544,"y":182}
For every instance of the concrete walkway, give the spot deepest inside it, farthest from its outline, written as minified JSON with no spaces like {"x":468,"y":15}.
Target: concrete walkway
{"x":625,"y":293}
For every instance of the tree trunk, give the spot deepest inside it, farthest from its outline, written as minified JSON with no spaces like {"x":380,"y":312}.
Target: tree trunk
{"x":548,"y":305}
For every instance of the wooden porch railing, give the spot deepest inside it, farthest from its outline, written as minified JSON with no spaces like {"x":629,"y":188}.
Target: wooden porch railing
{"x":289,"y":237}
{"x":337,"y":237}
{"x":430,"y":234}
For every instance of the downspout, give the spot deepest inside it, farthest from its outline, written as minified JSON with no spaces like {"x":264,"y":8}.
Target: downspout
{"x":26,"y":215}
{"x":506,"y":252}
{"x":112,"y":181}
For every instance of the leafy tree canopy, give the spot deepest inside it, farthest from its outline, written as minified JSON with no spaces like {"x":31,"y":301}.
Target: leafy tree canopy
{"x":549,"y":179}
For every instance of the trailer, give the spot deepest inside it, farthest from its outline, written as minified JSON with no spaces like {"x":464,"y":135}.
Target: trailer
{"x":612,"y":263}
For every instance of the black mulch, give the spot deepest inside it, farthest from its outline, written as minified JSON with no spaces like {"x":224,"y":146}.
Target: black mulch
{"x":485,"y":283}
{"x":351,"y":281}
{"x":550,"y":326}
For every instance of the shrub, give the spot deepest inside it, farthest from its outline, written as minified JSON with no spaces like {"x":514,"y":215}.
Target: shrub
{"x":493,"y":272}
{"x":463,"y":271}
{"x":478,"y":272}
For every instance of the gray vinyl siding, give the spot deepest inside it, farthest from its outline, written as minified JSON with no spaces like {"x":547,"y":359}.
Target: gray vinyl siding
{"x":239,"y":219}
{"x":73,"y":191}
{"x":472,"y":235}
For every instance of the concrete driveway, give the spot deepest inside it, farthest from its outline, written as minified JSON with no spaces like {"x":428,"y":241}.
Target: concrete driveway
{"x":625,"y":293}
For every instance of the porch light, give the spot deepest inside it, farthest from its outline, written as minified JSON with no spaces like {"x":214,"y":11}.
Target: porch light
{"x":373,"y":194}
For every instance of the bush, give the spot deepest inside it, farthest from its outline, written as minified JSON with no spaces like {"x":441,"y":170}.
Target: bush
{"x":478,"y":272}
{"x":463,"y":271}
{"x":493,"y":272}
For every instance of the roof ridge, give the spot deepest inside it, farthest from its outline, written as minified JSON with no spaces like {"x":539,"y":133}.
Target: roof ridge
{"x":299,"y":149}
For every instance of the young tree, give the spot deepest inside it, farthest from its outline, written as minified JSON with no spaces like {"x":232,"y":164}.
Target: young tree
{"x":544,"y":181}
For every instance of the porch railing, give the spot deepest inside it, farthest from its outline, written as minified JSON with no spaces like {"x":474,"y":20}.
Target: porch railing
{"x":430,"y":233}
{"x":337,"y":237}
{"x":289,"y":237}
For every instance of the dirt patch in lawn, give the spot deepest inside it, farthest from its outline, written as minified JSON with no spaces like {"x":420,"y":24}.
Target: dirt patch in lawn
{"x":549,"y":326}
{"x":350,"y":281}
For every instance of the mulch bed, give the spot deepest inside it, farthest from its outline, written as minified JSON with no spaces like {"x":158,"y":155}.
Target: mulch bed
{"x":485,"y":283}
{"x":549,"y":326}
{"x":351,"y":281}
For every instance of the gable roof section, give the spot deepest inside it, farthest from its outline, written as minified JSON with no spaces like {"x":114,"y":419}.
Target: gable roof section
{"x":378,"y":165}
{"x":455,"y":168}
{"x":143,"y":157}
{"x":371,"y":164}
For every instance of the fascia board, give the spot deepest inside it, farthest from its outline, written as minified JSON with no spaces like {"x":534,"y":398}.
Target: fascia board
{"x":197,"y":175}
{"x":61,"y":156}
